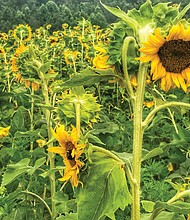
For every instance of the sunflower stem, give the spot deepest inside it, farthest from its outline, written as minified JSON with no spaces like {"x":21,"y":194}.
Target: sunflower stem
{"x":137,"y":141}
{"x":125,"y":47}
{"x":77,"y":110}
{"x":163,"y":106}
{"x":31,"y":112}
{"x":39,"y":198}
{"x":50,"y":154}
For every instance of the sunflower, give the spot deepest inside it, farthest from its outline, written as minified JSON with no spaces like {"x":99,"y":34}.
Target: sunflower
{"x":170,"y":57}
{"x":70,"y":150}
{"x":21,"y":49}
{"x":22,"y":32}
{"x":71,"y":56}
{"x":4,"y":131}
{"x":101,"y":59}
{"x":14,"y":64}
{"x":53,"y":40}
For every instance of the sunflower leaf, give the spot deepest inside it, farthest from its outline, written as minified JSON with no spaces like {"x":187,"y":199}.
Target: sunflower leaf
{"x":105,"y":188}
{"x":15,"y":170}
{"x":122,"y":15}
{"x":182,"y":13}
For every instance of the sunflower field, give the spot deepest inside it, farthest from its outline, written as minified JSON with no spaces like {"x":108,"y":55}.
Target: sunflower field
{"x":95,"y":122}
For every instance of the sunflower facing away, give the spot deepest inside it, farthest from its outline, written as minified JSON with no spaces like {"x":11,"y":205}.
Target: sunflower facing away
{"x":70,"y":150}
{"x":170,"y":57}
{"x":22,"y":32}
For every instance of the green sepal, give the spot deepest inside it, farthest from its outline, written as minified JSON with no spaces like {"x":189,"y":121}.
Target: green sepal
{"x":146,"y":12}
{"x":121,"y":14}
{"x":182,"y":13}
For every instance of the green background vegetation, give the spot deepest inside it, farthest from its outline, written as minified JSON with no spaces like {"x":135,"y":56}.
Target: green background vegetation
{"x":36,"y":13}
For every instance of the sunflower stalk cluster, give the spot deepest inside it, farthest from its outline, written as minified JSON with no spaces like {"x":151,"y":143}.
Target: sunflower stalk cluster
{"x":162,"y":38}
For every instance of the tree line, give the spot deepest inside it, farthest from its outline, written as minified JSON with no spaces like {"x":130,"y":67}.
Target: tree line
{"x":37,"y":13}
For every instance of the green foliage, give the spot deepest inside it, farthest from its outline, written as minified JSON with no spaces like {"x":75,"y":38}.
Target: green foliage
{"x":112,"y":192}
{"x":53,"y":74}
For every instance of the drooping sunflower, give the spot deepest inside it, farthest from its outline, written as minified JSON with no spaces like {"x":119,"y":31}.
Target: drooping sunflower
{"x":21,"y":49}
{"x":101,"y":59}
{"x":71,"y":56}
{"x":170,"y":57}
{"x":70,"y":150}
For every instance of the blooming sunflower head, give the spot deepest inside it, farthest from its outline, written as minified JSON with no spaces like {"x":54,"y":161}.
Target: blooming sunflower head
{"x":70,"y":150}
{"x":170,"y":57}
{"x":22,"y":32}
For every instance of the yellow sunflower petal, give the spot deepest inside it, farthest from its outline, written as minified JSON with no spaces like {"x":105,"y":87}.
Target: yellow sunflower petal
{"x":176,"y":32}
{"x":74,"y":180}
{"x":168,"y":82}
{"x":149,"y":50}
{"x":186,"y":74}
{"x":187,"y":34}
{"x":100,"y":49}
{"x":58,"y":150}
{"x":175,"y":79}
{"x":182,"y":83}
{"x":74,"y":135}
{"x":157,"y":41}
{"x":60,"y":134}
{"x":163,"y":83}
{"x":159,"y":72}
{"x":154,"y":64}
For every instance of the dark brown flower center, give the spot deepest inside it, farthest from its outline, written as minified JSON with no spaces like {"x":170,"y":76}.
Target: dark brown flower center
{"x":69,"y":147}
{"x":175,"y":55}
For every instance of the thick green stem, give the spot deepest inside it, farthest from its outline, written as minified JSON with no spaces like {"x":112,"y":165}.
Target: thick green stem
{"x":137,"y":141}
{"x":32,"y":117}
{"x":50,"y":154}
{"x":125,"y":47}
{"x":77,"y":110}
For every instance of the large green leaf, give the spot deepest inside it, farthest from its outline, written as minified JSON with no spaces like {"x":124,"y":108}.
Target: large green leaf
{"x":14,"y":170}
{"x":86,"y":77}
{"x":169,"y":216}
{"x":105,"y":188}
{"x":122,"y":15}
{"x":177,"y":207}
{"x":38,"y":163}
